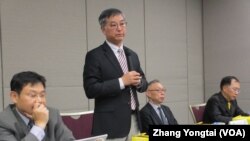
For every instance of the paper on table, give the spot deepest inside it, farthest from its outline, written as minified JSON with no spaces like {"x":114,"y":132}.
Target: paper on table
{"x":238,"y":122}
{"x":247,"y":118}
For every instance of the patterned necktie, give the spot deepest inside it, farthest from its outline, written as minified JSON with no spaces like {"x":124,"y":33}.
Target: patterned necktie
{"x":123,"y":62}
{"x":163,"y":118}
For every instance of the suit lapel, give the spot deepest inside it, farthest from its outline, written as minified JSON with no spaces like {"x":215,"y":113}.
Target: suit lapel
{"x":223,"y":103}
{"x":22,"y":129}
{"x":111,"y":57}
{"x":233,"y":106}
{"x":165,"y":111}
{"x":20,"y":125}
{"x":154,"y":115}
{"x":129,"y":61}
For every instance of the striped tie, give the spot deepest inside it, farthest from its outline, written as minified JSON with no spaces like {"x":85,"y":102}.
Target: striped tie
{"x":123,"y":62}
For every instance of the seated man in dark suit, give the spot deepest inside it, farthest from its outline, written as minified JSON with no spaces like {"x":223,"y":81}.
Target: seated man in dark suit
{"x":154,"y":113}
{"x":29,"y":119}
{"x":222,"y":106}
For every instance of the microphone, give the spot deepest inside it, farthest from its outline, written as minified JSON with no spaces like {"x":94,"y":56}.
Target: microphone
{"x":130,"y":62}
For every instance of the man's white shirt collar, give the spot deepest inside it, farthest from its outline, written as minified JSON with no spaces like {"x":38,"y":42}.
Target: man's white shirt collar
{"x":114,"y":47}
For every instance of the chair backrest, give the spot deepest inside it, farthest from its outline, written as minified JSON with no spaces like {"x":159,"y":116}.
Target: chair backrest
{"x":197,"y":112}
{"x":80,"y":123}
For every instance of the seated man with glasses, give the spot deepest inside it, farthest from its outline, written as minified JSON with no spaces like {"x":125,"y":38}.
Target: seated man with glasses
{"x":222,"y":106}
{"x":29,"y":118}
{"x":154,"y":113}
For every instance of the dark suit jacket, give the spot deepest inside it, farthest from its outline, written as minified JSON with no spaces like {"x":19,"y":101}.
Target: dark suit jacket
{"x":216,"y":110}
{"x":112,"y":113}
{"x":13,"y":128}
{"x":150,"y":117}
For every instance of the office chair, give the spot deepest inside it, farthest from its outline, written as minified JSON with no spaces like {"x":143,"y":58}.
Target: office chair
{"x":80,"y":123}
{"x":197,"y":111}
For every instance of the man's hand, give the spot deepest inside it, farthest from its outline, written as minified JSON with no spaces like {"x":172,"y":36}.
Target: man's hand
{"x":131,"y":78}
{"x":40,"y":115}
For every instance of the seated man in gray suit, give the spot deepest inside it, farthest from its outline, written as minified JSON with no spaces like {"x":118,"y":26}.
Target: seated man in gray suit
{"x":154,"y":113}
{"x":29,"y":119}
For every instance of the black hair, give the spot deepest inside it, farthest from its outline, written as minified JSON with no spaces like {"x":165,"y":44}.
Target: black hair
{"x":22,"y":79}
{"x":227,"y":81}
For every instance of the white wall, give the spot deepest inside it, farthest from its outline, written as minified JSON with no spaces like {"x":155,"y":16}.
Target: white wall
{"x":174,"y":51}
{"x":226,"y":45}
{"x":52,"y":38}
{"x":48,"y":37}
{"x":1,"y":77}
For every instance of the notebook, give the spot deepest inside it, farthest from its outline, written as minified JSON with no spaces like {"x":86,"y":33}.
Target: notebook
{"x":95,"y":138}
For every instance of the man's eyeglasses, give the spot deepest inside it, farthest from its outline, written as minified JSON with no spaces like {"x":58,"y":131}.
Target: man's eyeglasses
{"x":35,"y":95}
{"x":236,"y":90}
{"x":114,"y":25}
{"x":159,"y":90}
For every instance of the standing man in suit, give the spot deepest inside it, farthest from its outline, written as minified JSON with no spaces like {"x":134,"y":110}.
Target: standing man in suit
{"x":222,"y":106}
{"x":154,"y":113}
{"x":29,"y":119}
{"x":112,"y":75}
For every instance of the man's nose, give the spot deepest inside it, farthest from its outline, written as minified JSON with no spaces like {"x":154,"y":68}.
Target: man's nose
{"x":38,"y":99}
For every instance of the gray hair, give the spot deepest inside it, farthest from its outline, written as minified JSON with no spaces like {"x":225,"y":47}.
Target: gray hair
{"x":107,"y":14}
{"x":153,"y":81}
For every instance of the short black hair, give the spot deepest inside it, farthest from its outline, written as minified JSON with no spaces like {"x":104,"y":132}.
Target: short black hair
{"x":108,"y":13}
{"x":227,"y":81}
{"x":24,"y":78}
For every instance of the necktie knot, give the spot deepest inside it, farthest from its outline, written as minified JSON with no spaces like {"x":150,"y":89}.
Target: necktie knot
{"x":120,"y":51}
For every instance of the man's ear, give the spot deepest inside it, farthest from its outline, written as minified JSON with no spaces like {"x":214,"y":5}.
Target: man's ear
{"x":147,"y":93}
{"x":224,"y":88}
{"x":14,"y":96}
{"x":103,"y":30}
